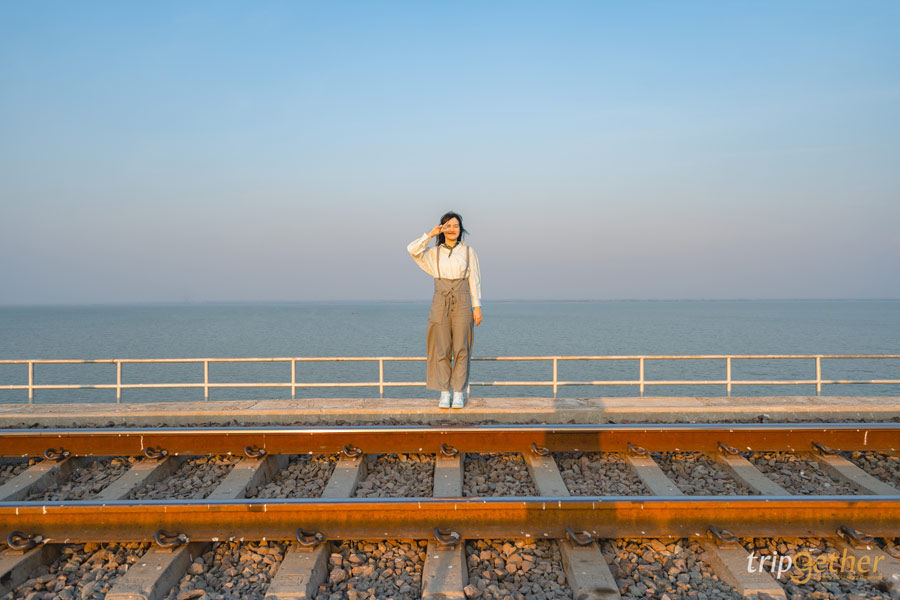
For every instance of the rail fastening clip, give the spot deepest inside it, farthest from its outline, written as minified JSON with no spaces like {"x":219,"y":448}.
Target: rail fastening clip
{"x":156,"y":453}
{"x":854,"y":537}
{"x":446,"y":537}
{"x":57,"y":455}
{"x":448,"y":450}
{"x":540,"y":450}
{"x":823,"y":449}
{"x":170,"y":539}
{"x":351,"y":451}
{"x":726,"y":449}
{"x":722,"y":537}
{"x":18,"y":540}
{"x":309,"y":538}
{"x":580,"y":539}
{"x":254,"y":451}
{"x":637,"y":450}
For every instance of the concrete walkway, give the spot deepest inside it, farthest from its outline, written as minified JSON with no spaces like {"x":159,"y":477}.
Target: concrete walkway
{"x":356,"y":411}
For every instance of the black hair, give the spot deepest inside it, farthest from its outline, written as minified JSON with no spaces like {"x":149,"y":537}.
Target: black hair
{"x":447,"y":216}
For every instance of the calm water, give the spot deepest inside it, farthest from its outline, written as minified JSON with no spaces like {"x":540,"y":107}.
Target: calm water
{"x":398,"y":329}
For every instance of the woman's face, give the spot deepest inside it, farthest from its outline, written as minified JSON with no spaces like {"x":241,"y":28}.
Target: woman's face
{"x":450,"y":229}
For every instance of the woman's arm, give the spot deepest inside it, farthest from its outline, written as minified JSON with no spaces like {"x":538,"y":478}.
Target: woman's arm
{"x":475,"y":286}
{"x":418,"y":250}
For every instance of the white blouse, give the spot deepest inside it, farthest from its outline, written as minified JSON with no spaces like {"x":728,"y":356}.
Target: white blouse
{"x":453,"y":264}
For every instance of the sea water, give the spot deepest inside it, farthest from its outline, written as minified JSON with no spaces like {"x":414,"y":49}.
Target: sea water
{"x":398,"y":329}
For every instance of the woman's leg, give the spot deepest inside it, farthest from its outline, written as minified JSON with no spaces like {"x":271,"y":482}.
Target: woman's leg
{"x":438,"y":344}
{"x":462,"y":336}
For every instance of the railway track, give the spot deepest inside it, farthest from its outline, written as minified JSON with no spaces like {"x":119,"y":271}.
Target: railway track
{"x":583,"y":493}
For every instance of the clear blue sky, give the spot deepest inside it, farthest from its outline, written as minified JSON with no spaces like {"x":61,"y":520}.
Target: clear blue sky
{"x":231,"y":151}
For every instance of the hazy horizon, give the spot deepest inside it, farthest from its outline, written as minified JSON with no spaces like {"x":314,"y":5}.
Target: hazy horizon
{"x":423,"y":300}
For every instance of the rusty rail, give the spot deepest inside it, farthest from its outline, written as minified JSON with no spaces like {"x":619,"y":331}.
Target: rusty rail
{"x":536,"y":517}
{"x":415,"y":518}
{"x":757,"y":437}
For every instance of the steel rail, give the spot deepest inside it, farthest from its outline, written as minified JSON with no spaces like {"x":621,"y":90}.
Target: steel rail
{"x":603,"y":517}
{"x":759,"y":437}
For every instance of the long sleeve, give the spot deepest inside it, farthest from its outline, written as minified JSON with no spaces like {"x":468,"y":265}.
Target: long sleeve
{"x":418,"y":249}
{"x":451,"y":267}
{"x":474,"y":279}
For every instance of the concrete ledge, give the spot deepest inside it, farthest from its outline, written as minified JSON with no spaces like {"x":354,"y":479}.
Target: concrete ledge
{"x":479,"y":410}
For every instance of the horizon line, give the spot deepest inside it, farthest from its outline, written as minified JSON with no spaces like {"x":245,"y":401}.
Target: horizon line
{"x":137,"y":303}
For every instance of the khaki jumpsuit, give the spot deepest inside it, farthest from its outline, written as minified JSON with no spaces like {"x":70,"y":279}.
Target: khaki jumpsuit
{"x":451,"y":332}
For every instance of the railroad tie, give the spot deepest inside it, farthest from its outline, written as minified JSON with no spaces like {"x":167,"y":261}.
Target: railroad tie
{"x":157,"y":572}
{"x":747,"y":474}
{"x":160,"y":569}
{"x":879,"y":563}
{"x":39,"y":477}
{"x":842,"y":469}
{"x":346,"y":477}
{"x":17,"y":566}
{"x":249,"y":472}
{"x":143,"y":472}
{"x":445,"y":573}
{"x":729,"y":562}
{"x":305,"y":568}
{"x":652,"y":476}
{"x":587,"y":571}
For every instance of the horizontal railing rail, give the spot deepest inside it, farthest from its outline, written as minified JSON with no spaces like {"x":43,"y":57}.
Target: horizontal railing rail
{"x":642,"y":382}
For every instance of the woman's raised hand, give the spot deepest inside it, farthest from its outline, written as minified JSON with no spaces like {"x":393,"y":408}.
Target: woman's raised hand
{"x":437,"y":229}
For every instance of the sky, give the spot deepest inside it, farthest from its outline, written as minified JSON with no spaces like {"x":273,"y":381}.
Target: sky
{"x":289,"y":151}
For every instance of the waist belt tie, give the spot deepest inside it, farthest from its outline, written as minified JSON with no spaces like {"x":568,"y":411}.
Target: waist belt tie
{"x":449,"y":299}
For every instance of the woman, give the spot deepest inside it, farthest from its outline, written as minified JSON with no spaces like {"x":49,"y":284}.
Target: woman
{"x":455,"y":307}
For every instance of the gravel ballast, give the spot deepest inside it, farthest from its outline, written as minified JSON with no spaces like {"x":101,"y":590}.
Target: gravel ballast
{"x":12,"y":468}
{"x":398,"y":476}
{"x":231,"y":571}
{"x":372,"y":570}
{"x":798,"y":475}
{"x":81,"y":572}
{"x":194,"y":480}
{"x":696,"y":474}
{"x":598,"y":474}
{"x":664,"y":569}
{"x":885,"y":467}
{"x":515,"y":569}
{"x":497,"y":474}
{"x":304,"y":477}
{"x":86,"y":480}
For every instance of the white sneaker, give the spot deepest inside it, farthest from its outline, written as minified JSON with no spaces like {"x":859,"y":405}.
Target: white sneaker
{"x":445,"y":400}
{"x":459,"y":399}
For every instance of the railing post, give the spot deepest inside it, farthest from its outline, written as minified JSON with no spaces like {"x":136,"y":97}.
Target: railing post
{"x":555,"y":379}
{"x":728,"y":375}
{"x":818,"y":376}
{"x":118,"y":382}
{"x":30,"y":382}
{"x":293,"y":378}
{"x":642,"y":376}
{"x":206,"y":380}
{"x":381,"y":378}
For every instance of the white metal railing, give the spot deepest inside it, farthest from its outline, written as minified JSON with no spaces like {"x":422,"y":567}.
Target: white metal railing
{"x":642,"y":382}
